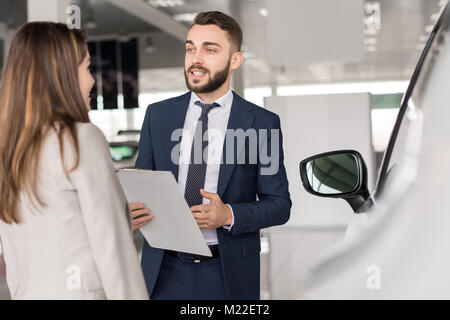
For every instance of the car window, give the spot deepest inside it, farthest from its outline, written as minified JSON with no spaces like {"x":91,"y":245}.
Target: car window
{"x":405,"y":142}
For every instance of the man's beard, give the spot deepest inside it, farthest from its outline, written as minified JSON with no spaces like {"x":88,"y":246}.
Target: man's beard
{"x":213,"y":84}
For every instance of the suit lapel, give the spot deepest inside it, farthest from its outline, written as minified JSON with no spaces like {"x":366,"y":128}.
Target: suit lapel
{"x":174,"y":119}
{"x":240,"y":118}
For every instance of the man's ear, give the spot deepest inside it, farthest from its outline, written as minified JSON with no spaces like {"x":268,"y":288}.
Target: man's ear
{"x":236,"y":60}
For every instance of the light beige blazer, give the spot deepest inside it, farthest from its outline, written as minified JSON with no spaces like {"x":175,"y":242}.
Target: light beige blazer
{"x":80,"y":245}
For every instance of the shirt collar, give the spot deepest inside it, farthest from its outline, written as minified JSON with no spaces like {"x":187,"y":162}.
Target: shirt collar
{"x":224,"y":101}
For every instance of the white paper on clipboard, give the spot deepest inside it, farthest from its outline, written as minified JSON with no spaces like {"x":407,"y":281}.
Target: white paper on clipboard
{"x":174,"y":227}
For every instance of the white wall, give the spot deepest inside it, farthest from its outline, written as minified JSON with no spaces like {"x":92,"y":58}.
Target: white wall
{"x":316,"y":124}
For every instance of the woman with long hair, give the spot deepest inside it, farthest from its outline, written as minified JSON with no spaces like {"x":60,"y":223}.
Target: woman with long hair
{"x":64,"y":220}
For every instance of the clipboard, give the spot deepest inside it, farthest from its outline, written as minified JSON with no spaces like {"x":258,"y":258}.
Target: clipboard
{"x":173,"y":227}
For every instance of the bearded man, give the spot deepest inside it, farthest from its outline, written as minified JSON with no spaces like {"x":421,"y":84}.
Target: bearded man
{"x":232,"y":192}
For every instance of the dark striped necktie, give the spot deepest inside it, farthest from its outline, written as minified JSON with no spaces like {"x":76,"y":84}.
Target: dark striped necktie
{"x":199,"y":157}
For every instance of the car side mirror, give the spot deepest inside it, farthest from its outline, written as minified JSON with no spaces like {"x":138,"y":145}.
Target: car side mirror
{"x":338,"y":174}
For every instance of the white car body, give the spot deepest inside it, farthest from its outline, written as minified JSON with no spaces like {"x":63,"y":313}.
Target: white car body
{"x":400,"y":248}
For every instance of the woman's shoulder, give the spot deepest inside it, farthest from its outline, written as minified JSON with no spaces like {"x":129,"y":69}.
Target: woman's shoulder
{"x":89,"y":130}
{"x":91,"y":138}
{"x":85,"y":131}
{"x":91,"y":143}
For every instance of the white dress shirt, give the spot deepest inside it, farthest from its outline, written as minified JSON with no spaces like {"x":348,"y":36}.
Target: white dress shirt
{"x":217,"y":126}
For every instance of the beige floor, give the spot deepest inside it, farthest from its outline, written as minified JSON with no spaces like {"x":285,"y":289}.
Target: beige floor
{"x":286,"y":254}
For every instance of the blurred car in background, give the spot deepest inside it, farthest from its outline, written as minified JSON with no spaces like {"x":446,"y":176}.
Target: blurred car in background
{"x":124,"y":148}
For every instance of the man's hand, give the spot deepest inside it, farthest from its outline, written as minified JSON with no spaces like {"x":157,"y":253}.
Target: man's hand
{"x":140,"y":215}
{"x":213,"y":215}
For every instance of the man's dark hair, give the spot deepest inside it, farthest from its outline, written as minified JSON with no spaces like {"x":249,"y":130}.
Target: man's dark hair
{"x":224,"y":22}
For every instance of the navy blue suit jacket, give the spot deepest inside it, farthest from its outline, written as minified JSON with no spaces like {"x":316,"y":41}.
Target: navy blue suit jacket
{"x":258,"y":201}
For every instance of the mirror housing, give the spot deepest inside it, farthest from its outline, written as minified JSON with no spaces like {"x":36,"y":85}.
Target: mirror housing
{"x":343,"y":173}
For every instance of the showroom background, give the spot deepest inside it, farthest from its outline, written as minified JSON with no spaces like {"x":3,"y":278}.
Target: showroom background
{"x":334,"y":70}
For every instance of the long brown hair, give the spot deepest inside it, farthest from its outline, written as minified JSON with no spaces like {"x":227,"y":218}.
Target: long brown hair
{"x":39,"y":90}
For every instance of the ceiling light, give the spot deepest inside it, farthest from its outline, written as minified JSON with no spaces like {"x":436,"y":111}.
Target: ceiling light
{"x":185,"y":17}
{"x":423,"y":38}
{"x":370,"y":41}
{"x":429,"y":28}
{"x":165,"y":3}
{"x":384,"y":87}
{"x":434,"y":17}
{"x":248,"y":54}
{"x":371,"y":48}
{"x":264,"y":12}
